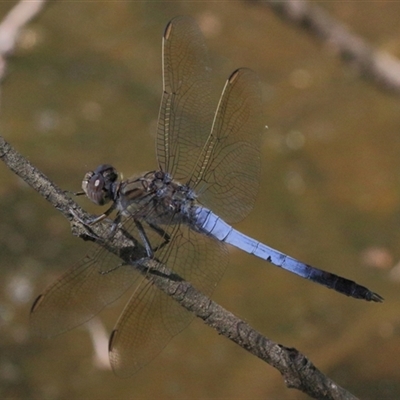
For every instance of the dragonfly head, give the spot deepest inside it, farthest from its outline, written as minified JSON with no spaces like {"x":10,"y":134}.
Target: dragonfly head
{"x":100,"y":185}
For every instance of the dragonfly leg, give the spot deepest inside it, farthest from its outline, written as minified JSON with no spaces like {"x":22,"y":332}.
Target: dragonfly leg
{"x":162,"y":233}
{"x":145,"y":239}
{"x":94,"y":220}
{"x":116,"y":223}
{"x":111,"y":269}
{"x":81,"y":193}
{"x":99,"y":218}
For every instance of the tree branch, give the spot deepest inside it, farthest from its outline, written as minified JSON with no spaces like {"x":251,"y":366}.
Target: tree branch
{"x":297,"y":370}
{"x":376,"y":65}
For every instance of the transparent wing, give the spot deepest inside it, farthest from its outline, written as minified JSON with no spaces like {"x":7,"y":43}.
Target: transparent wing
{"x":186,"y":111}
{"x":143,"y":330}
{"x":152,"y":318}
{"x":226,"y":177}
{"x":83,"y":291}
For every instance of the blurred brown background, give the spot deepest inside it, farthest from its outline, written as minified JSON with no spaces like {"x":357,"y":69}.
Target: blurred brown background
{"x":83,"y":88}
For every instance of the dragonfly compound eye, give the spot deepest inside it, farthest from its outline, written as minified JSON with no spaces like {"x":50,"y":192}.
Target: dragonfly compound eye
{"x":99,"y":185}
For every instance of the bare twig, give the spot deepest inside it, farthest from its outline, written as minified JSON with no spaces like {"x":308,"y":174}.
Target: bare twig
{"x":376,"y":65}
{"x":297,"y":370}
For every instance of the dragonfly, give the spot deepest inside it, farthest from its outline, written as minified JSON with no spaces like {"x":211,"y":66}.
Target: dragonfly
{"x":182,"y":212}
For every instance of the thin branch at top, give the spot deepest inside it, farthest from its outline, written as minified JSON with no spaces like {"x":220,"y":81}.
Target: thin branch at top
{"x":376,"y":65}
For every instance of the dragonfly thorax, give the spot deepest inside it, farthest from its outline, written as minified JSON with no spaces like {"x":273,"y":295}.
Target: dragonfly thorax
{"x":156,"y":197}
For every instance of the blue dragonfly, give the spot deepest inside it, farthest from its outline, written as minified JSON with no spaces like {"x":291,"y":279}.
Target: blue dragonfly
{"x":207,"y":179}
